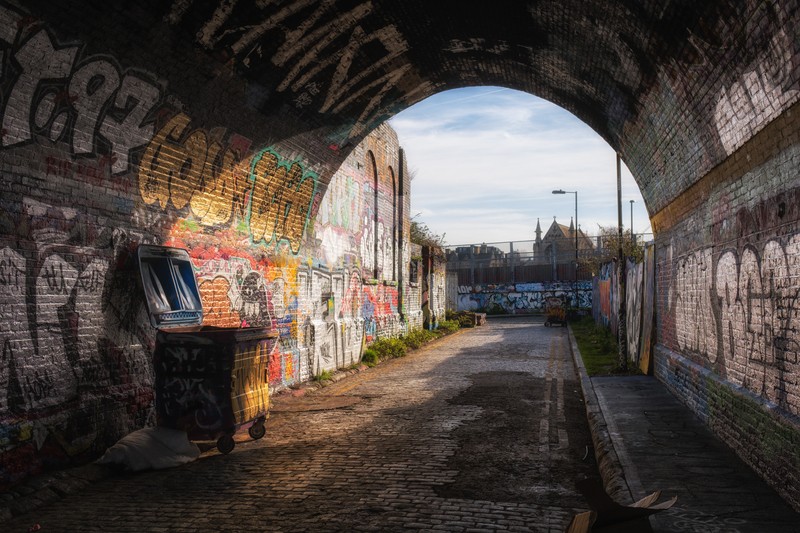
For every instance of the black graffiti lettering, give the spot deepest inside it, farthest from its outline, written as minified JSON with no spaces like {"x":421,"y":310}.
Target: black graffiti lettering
{"x":10,"y":273}
{"x":53,"y":275}
{"x":89,"y":88}
{"x":90,"y":280}
{"x":96,"y":101}
{"x":133,"y":130}
{"x":39,"y":387}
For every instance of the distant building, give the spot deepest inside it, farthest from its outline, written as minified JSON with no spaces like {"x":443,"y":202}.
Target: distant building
{"x":482,"y":256}
{"x":558,"y":244}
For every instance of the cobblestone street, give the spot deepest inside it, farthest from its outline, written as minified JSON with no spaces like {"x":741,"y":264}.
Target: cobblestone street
{"x":483,"y":430}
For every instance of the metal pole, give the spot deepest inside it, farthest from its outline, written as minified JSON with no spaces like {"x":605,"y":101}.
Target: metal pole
{"x":576,"y":250}
{"x":622,"y":336}
{"x":633,"y":235}
{"x":513,"y":266}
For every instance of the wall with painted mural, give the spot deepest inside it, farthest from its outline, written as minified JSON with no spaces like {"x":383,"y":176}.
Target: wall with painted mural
{"x":434,"y":293}
{"x":520,"y":298}
{"x":97,"y":158}
{"x":413,"y":302}
{"x":605,"y":297}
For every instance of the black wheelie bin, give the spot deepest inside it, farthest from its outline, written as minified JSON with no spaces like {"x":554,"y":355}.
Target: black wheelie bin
{"x":209,"y":381}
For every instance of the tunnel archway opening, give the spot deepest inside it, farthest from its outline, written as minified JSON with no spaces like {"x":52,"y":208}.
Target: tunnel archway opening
{"x":486,"y":159}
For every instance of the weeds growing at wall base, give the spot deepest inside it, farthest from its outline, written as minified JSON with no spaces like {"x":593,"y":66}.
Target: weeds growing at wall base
{"x":325,"y":375}
{"x":390,"y":348}
{"x":599,"y":349}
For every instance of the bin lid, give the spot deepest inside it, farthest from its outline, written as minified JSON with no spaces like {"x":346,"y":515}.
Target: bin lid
{"x":170,"y":286}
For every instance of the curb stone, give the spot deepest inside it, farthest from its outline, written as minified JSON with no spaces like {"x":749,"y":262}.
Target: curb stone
{"x":608,"y":461}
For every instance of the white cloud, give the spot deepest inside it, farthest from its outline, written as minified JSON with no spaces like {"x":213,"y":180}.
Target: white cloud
{"x":485,"y":161}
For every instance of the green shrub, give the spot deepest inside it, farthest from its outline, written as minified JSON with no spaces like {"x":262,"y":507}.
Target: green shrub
{"x":370,"y":357}
{"x":448,"y":326}
{"x":389,"y":347}
{"x":417,"y":337}
{"x":465,"y":319}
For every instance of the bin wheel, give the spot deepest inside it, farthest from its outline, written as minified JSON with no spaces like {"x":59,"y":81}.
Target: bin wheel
{"x":225,"y":444}
{"x":547,"y":324}
{"x":257,"y":431}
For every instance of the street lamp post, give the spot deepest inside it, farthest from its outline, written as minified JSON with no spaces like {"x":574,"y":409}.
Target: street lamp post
{"x":560,"y":191}
{"x":633,"y":235}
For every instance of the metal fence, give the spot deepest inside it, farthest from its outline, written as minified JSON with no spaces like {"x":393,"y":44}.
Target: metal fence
{"x":525,"y":262}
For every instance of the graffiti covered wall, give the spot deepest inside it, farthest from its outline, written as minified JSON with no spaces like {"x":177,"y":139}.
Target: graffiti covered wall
{"x":520,"y":298}
{"x":728,"y":310}
{"x":434,"y":290}
{"x":605,"y":297}
{"x":97,"y":157}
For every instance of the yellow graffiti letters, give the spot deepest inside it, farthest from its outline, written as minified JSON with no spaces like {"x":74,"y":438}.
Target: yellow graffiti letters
{"x":187,"y":169}
{"x":282,"y":199}
{"x":158,"y":161}
{"x":224,"y":179}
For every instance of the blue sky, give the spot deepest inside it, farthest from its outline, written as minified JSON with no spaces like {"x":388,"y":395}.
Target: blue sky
{"x":486,"y":159}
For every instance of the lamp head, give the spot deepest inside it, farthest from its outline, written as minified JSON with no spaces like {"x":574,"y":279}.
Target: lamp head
{"x":559,"y":191}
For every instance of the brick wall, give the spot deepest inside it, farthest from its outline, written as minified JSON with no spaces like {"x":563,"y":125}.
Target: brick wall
{"x":98,"y":156}
{"x":221,"y":127}
{"x":727,"y":287}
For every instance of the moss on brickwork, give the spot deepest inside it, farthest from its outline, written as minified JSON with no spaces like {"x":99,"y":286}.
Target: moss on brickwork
{"x":768,"y":444}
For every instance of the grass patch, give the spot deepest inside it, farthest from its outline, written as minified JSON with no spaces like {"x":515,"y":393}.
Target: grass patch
{"x":599,"y":349}
{"x":325,"y":375}
{"x":392,"y":347}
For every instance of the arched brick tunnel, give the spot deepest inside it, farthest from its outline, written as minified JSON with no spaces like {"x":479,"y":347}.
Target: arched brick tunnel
{"x":249,"y":132}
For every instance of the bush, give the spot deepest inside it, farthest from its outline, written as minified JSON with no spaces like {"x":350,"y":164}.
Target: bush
{"x":449,"y":326}
{"x":418,"y":337}
{"x":496,"y":309}
{"x":465,"y":319}
{"x":389,"y":347}
{"x":370,"y":357}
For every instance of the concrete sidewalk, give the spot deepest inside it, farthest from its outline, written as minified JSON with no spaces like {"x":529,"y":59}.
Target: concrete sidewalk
{"x":647,"y":441}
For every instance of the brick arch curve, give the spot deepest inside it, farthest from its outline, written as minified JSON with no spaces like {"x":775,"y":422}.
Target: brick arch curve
{"x":699,"y":97}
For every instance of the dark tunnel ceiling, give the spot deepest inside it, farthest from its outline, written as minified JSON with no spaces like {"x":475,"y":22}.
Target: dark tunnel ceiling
{"x":646,"y":76}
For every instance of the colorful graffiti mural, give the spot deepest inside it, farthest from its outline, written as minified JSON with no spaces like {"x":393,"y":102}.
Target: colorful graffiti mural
{"x":604,"y":297}
{"x":520,"y":297}
{"x":116,"y":162}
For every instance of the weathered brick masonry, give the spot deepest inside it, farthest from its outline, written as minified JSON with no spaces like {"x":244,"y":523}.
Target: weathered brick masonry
{"x":728,"y":301}
{"x":100,"y":155}
{"x":239,"y":129}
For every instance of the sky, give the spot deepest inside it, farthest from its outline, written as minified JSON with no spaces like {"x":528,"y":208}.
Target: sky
{"x":485,"y":160}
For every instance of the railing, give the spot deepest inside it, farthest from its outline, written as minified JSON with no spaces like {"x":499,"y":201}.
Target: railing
{"x":525,"y":262}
